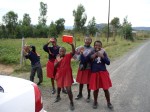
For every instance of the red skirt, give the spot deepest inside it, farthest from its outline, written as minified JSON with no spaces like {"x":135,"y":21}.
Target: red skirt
{"x":100,"y":80}
{"x":83,"y":76}
{"x":50,"y":69}
{"x":64,"y":78}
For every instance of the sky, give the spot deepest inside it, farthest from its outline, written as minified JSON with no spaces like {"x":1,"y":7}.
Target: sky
{"x":136,"y":11}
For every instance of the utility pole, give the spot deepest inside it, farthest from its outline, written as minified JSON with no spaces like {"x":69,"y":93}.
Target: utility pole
{"x":108,"y":19}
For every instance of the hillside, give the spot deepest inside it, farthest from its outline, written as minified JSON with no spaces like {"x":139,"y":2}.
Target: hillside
{"x":102,"y":25}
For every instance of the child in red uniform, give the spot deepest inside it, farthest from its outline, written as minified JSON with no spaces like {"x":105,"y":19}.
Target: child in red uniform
{"x":100,"y":76}
{"x":64,"y":76}
{"x":53,"y":51}
{"x":84,"y":70}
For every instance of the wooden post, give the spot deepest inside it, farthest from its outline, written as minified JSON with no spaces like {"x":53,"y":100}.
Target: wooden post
{"x":21,"y":59}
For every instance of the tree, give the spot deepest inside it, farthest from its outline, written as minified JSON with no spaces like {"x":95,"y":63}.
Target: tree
{"x":79,"y":18}
{"x":127,"y":30}
{"x":3,"y":31}
{"x":115,"y":24}
{"x":26,"y":28}
{"x":26,"y":20}
{"x":92,"y":29}
{"x":10,"y":19}
{"x":53,"y":30}
{"x":60,"y":25}
{"x":43,"y":12}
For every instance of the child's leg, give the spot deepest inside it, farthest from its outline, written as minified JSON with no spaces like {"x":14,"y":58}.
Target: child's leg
{"x":58,"y":95}
{"x":70,"y":95}
{"x":52,"y":82}
{"x":80,"y":92}
{"x":64,"y":90}
{"x":95,"y":94}
{"x":53,"y":86}
{"x":107,"y":95}
{"x":89,"y":91}
{"x":40,"y":75}
{"x":32,"y":74}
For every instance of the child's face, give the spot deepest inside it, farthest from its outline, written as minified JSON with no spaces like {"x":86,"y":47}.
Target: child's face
{"x":54,"y":43}
{"x":87,"y":41}
{"x":97,"y":46}
{"x":62,"y":52}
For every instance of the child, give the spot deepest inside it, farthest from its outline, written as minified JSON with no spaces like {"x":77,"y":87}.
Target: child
{"x":84,"y":70}
{"x":100,"y":76}
{"x":30,"y":53}
{"x":64,"y":76}
{"x":52,"y":51}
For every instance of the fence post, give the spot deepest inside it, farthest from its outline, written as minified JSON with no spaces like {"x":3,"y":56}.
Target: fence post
{"x":21,"y":59}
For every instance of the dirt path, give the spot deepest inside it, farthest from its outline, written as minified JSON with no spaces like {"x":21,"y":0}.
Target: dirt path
{"x":6,"y":69}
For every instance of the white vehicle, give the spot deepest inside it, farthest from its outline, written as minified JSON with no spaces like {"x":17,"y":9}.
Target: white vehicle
{"x":19,"y":95}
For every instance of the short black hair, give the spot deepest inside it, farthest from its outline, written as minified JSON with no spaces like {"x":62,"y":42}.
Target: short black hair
{"x":98,"y":41}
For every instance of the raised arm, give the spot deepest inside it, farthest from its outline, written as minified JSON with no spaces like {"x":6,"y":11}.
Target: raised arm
{"x":45,"y":47}
{"x":73,"y":48}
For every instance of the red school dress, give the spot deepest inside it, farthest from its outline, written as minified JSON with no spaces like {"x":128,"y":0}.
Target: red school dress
{"x":50,"y":64}
{"x":64,"y":76}
{"x":100,"y":76}
{"x":83,"y":76}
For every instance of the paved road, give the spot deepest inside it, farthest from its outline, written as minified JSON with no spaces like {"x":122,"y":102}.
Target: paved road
{"x":130,"y":76}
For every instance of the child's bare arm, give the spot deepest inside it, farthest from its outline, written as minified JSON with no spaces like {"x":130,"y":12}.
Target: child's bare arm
{"x":73,"y":48}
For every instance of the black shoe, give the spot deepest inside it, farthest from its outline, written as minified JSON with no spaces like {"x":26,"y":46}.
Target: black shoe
{"x":78,"y":97}
{"x":39,"y":83}
{"x":53,"y":91}
{"x":110,"y":106}
{"x":88,"y":99}
{"x":57,"y":99}
{"x":94,"y":105}
{"x":64,"y":91}
{"x":71,"y":106}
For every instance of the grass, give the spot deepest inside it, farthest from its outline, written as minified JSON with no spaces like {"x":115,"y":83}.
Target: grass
{"x":10,"y":51}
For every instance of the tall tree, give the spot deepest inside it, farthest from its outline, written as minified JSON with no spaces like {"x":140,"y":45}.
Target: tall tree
{"x":10,"y":20}
{"x":52,"y":30}
{"x":92,"y":29}
{"x":60,"y":25}
{"x":27,"y":30}
{"x":127,"y":29}
{"x":43,"y":12}
{"x":115,"y":24}
{"x":26,"y":20}
{"x":79,"y":18}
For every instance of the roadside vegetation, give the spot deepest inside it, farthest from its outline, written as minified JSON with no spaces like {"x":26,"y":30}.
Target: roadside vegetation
{"x":10,"y":50}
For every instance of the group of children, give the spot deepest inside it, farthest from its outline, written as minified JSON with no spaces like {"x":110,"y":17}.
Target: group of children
{"x":92,"y":70}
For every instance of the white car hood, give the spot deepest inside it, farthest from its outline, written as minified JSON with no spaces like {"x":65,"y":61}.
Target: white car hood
{"x":12,"y":84}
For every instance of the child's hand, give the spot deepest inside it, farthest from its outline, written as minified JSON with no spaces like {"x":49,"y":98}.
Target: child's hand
{"x":81,"y":50}
{"x":51,"y":40}
{"x":101,"y":53}
{"x":59,"y":58}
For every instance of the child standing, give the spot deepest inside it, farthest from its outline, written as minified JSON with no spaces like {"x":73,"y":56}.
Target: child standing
{"x":30,"y":53}
{"x":64,"y":76}
{"x":84,"y":70}
{"x":52,"y":51}
{"x":100,"y":76}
